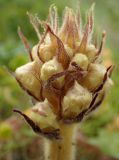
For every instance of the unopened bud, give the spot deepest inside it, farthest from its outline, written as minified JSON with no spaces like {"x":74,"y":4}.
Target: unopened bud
{"x":76,"y":100}
{"x":94,"y":77}
{"x":49,"y":68}
{"x":46,"y":52}
{"x":81,"y":60}
{"x":28,"y":76}
{"x":91,"y":52}
{"x":43,"y":116}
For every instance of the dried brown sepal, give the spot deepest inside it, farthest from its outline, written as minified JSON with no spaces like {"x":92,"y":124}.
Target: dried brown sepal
{"x":25,"y":42}
{"x":69,"y":81}
{"x":54,"y":134}
{"x":76,"y":119}
{"x":87,"y":32}
{"x":74,"y":64}
{"x":91,"y":16}
{"x":57,"y":43}
{"x":96,"y":105}
{"x":92,"y":102}
{"x":41,"y":42}
{"x":53,"y":18}
{"x":53,"y":95}
{"x":72,"y":75}
{"x":69,"y":32}
{"x":101,"y":46}
{"x":61,"y":53}
{"x":97,"y":91}
{"x":35,"y":23}
{"x":109,"y":69}
{"x":78,"y":18}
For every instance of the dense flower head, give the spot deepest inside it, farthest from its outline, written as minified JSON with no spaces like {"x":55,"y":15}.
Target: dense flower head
{"x":65,"y":76}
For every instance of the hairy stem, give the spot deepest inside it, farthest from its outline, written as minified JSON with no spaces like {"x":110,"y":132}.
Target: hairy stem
{"x":63,"y":149}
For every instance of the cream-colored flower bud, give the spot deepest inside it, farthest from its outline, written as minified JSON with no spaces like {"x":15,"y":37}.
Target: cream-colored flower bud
{"x":81,"y":60}
{"x":76,"y":100}
{"x":43,"y":116}
{"x":69,"y":50}
{"x":91,"y":52}
{"x":49,"y":68}
{"x":29,"y":77}
{"x":46,"y":52}
{"x":94,"y":77}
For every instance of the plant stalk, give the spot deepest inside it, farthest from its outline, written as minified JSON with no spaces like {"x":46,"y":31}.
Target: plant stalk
{"x":64,"y":149}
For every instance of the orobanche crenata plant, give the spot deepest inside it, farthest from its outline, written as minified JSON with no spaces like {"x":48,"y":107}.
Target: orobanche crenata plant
{"x":65,"y":78}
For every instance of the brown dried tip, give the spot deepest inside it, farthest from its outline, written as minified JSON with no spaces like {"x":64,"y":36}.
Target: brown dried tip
{"x":87,"y":32}
{"x":53,"y":18}
{"x":69,"y":32}
{"x":101,"y":45}
{"x":35,"y":23}
{"x":75,"y":74}
{"x":76,"y":119}
{"x":78,"y":18}
{"x":54,"y":134}
{"x":94,"y":106}
{"x":25,"y":42}
{"x":109,"y":69}
{"x":97,"y":91}
{"x":42,"y":41}
{"x":91,"y":16}
{"x":53,"y":95}
{"x":62,"y":55}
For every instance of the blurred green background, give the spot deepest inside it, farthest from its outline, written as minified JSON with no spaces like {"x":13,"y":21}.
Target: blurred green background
{"x":102,"y":127}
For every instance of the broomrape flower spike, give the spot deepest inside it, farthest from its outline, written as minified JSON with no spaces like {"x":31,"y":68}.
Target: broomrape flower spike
{"x":65,"y":78}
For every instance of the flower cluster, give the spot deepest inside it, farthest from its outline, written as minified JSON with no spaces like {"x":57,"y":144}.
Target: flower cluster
{"x":65,"y":76}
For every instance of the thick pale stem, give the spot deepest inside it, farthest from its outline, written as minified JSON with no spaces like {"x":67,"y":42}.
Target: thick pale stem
{"x":63,"y":149}
{"x":50,"y":150}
